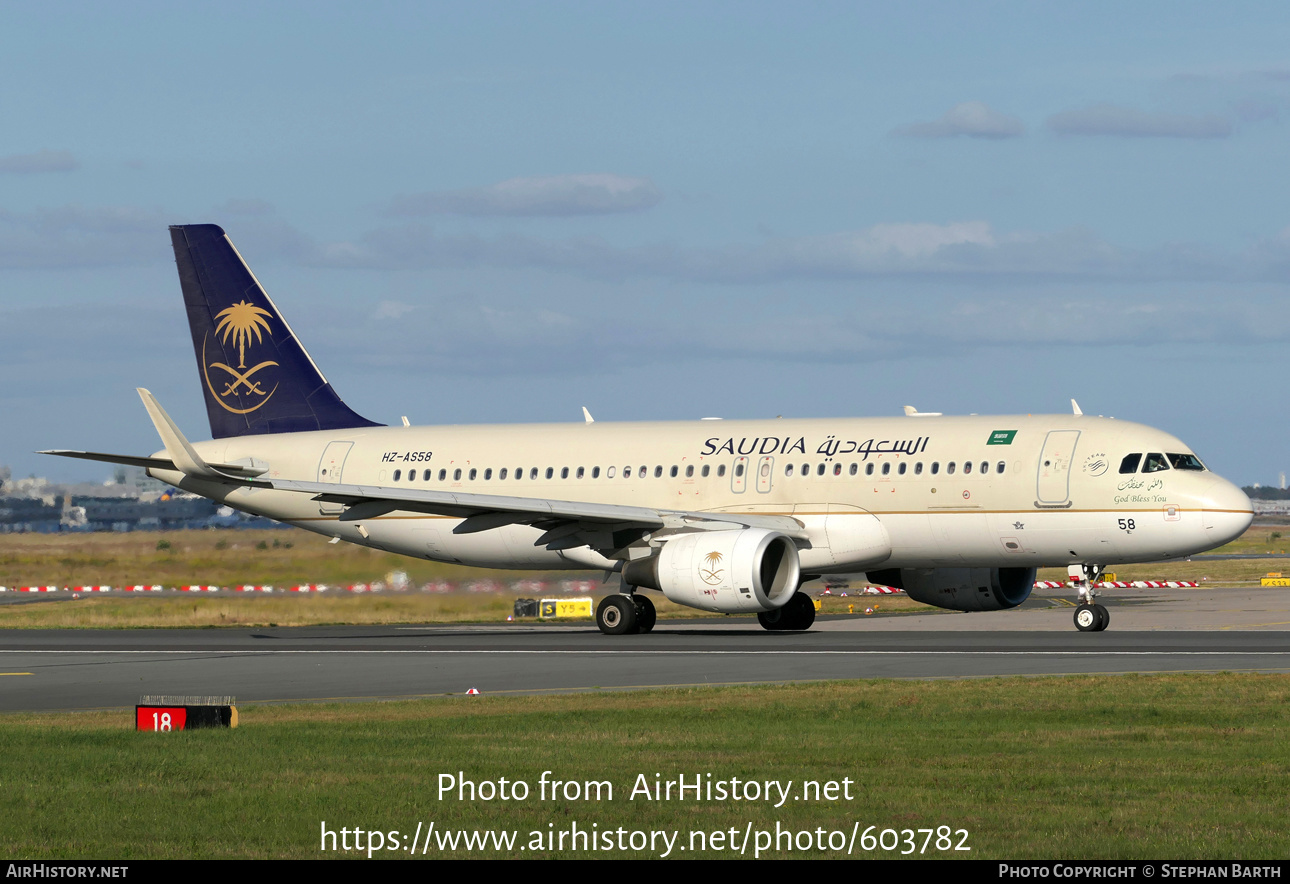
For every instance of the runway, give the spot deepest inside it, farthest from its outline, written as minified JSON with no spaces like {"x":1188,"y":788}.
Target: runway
{"x":1167,"y":630}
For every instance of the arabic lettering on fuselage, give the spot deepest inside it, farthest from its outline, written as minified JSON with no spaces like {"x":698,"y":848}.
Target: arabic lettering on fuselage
{"x":830,"y":447}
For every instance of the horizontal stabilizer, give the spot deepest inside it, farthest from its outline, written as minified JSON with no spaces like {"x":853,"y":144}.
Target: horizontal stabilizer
{"x":153,"y":463}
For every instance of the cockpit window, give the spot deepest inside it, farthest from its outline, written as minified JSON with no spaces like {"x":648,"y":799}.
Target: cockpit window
{"x":1130,"y":462}
{"x":1185,"y":462}
{"x":1155,"y":463}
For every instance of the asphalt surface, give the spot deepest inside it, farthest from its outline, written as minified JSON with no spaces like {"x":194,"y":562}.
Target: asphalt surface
{"x":1162,"y":630}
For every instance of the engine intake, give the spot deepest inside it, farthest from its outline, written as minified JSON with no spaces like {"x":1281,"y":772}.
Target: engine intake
{"x":751,"y":569}
{"x":961,"y":589}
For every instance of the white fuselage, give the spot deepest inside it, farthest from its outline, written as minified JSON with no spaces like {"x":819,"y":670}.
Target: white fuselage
{"x":905,"y":492}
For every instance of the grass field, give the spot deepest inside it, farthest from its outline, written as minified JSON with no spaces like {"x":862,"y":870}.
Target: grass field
{"x":290,"y":557}
{"x":1178,"y":766}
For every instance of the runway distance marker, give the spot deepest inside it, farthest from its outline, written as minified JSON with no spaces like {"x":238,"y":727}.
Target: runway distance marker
{"x":161,"y":714}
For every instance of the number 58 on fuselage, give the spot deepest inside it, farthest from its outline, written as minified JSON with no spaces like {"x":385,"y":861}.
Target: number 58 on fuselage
{"x":728,"y":516}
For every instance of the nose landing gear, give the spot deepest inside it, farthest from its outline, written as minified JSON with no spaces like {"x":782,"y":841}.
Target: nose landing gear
{"x":1089,"y":615}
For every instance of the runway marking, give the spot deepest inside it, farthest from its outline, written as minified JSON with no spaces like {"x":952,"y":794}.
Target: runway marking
{"x":667,"y":653}
{"x":15,"y":673}
{"x":1252,"y":625}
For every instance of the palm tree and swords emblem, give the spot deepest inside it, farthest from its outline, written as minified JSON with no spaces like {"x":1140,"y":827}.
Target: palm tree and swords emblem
{"x":711,"y":575}
{"x":240,"y":322}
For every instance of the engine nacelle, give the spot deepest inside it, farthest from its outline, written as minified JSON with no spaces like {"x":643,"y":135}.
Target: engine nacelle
{"x":961,"y":589}
{"x":751,"y":569}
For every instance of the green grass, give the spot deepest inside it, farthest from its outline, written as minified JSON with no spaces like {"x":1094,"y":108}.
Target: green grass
{"x":1179,"y":766}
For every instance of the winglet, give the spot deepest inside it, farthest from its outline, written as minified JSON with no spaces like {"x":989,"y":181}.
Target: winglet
{"x":587,"y":414}
{"x":1075,"y":407}
{"x":179,"y":449}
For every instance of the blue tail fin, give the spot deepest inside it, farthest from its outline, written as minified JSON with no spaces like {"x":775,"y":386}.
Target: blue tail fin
{"x":255,"y":375}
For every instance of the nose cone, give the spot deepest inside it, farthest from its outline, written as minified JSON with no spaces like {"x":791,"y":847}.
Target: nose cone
{"x":1227,"y":512}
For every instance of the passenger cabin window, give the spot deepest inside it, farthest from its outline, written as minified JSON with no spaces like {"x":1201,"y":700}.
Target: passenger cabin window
{"x":473,"y":472}
{"x":868,"y":469}
{"x":788,"y":469}
{"x":443,"y":474}
{"x":886,"y":469}
{"x":397,"y":474}
{"x":739,"y":470}
{"x":949,"y":468}
{"x":704,"y":471}
{"x":967,"y":467}
{"x":721,"y":470}
{"x":533,"y":473}
{"x":609,"y":473}
{"x":1185,"y":462}
{"x":985,"y":466}
{"x":1130,"y":462}
{"x":564,"y":472}
{"x":998,"y":468}
{"x":502,"y":474}
{"x":902,"y":468}
{"x":936,"y":467}
{"x":456,"y":475}
{"x":837,"y":469}
{"x":1155,"y":463}
{"x":672,"y":472}
{"x":640,"y":474}
{"x":918,"y":468}
{"x":819,"y":470}
{"x":581,"y":472}
{"x":425,"y":477}
{"x":488,"y":474}
{"x":855,"y":468}
{"x":689,"y":471}
{"x":595,"y":472}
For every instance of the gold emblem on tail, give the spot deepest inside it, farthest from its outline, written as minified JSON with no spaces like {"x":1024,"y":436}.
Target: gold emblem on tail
{"x":240,"y":322}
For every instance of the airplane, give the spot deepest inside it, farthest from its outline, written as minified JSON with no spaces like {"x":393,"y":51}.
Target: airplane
{"x":720,"y":515}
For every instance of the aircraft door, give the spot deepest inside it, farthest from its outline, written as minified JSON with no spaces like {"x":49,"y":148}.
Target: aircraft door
{"x":765,"y":472}
{"x":739,"y":475}
{"x":1053,"y":484}
{"x":330,"y":467}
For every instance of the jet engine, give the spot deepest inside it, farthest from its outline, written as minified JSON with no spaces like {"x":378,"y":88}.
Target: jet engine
{"x":961,"y":589}
{"x":752,"y":569}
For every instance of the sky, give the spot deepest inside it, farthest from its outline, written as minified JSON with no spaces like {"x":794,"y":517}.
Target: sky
{"x":502,"y":212}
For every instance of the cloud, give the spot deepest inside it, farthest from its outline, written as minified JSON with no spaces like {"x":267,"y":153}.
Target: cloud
{"x":556,"y":195}
{"x":971,"y":118}
{"x":80,"y":236}
{"x":40,"y":161}
{"x":1125,"y":122}
{"x":962,"y":251}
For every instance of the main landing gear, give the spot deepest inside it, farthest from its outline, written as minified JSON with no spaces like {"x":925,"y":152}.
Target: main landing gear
{"x":625,"y":614}
{"x":1089,"y":615}
{"x":797,"y":615}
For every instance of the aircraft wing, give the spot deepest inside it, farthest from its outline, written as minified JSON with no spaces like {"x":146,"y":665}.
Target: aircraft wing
{"x":568,"y":523}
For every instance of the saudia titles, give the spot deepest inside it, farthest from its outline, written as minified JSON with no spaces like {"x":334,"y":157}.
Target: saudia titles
{"x":241,"y":322}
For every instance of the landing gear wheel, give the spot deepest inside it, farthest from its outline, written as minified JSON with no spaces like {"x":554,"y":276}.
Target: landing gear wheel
{"x":645,"y":613}
{"x":801,"y":611}
{"x":616,"y":615}
{"x":1105,"y":616}
{"x":1088,"y":618}
{"x":774,"y":621}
